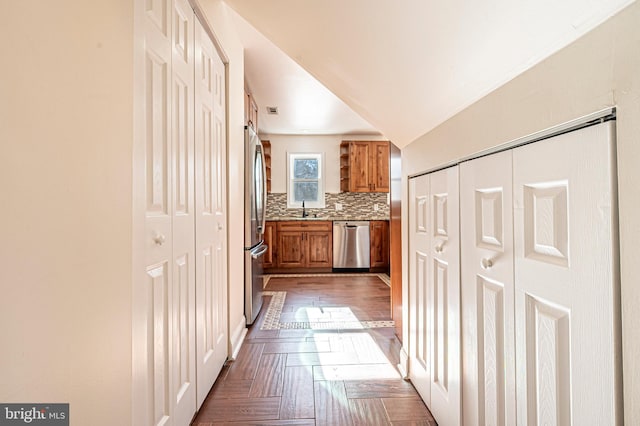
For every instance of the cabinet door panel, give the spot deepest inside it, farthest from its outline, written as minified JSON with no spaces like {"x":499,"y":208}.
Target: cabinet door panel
{"x":359,"y":156}
{"x":380,"y":167}
{"x":269,"y":259}
{"x":319,"y":249}
{"x":290,"y":249}
{"x":379,"y":231}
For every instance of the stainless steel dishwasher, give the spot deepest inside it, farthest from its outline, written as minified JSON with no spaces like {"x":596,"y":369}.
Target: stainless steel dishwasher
{"x":351,"y":245}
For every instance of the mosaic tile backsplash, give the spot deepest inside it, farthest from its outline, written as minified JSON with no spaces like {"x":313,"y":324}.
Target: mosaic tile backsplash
{"x":355,"y":206}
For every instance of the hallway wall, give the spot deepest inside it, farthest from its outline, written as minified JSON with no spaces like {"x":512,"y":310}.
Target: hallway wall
{"x":599,"y":70}
{"x":66,"y":126}
{"x":66,"y":132}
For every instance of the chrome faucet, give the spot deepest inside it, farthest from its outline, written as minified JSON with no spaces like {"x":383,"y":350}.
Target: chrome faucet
{"x":304,"y":212}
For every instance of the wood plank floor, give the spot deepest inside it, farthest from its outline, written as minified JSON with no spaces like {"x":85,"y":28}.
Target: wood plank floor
{"x":318,"y":377}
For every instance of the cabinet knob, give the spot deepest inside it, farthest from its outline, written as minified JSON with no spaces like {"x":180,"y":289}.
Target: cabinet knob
{"x":439,"y":248}
{"x":159,"y":239}
{"x":486,"y":263}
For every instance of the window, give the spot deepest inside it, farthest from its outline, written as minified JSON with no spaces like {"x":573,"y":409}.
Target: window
{"x":305,"y":178}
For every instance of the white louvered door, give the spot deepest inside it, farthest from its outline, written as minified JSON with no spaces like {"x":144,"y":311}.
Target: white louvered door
{"x":487,"y":289}
{"x":420,"y":318}
{"x":566,"y":289}
{"x":211,"y":281}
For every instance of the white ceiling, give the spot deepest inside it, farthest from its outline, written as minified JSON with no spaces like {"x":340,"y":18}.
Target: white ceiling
{"x":405,"y":66}
{"x":305,"y":106}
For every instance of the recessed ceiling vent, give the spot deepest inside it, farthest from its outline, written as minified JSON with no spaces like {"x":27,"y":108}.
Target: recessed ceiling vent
{"x":272,"y":110}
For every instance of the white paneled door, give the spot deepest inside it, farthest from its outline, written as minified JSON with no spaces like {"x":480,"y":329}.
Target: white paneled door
{"x":566,"y":297}
{"x":180,"y":302}
{"x":182,"y":295}
{"x":487,"y":290}
{"x":159,"y":212}
{"x":434,"y":292}
{"x":420,"y":318}
{"x":444,"y":299}
{"x":540,"y":298}
{"x":210,"y":182}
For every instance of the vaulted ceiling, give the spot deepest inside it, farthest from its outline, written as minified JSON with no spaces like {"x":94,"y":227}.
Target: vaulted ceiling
{"x":397,"y":66}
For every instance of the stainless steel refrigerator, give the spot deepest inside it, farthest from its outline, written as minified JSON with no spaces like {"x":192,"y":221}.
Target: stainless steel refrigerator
{"x":255,"y":203}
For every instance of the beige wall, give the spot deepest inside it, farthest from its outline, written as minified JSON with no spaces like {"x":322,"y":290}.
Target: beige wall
{"x":65,"y":184}
{"x":327,"y":144}
{"x":599,"y":70}
{"x":66,"y":132}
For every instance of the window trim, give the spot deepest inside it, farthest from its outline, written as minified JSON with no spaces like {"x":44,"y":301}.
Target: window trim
{"x":291,"y":204}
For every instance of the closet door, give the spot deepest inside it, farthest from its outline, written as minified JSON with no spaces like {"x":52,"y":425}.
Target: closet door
{"x":566,"y":287}
{"x":420,"y":318}
{"x":443,"y":299}
{"x":164,"y":316}
{"x":488,"y":339}
{"x":210,"y":152}
{"x":152,"y":326}
{"x":182,"y":294}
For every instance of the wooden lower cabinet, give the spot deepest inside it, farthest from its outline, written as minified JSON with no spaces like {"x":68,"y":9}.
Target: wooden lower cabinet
{"x":303,"y":245}
{"x":269,"y":257}
{"x":379,"y":238}
{"x":319,"y":248}
{"x":290,"y":249}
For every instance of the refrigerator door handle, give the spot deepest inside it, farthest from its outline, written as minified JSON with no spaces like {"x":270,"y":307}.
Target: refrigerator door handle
{"x":259,"y":251}
{"x":264,"y":192}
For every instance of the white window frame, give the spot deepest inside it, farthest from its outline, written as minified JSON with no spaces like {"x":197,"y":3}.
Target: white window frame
{"x":291,"y":156}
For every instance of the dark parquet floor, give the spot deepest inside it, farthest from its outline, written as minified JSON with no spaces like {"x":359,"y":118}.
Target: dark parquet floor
{"x":318,"y":376}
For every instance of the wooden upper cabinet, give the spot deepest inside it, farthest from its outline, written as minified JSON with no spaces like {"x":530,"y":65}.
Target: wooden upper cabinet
{"x":380,"y":167}
{"x":364,"y":166}
{"x":359,"y":159}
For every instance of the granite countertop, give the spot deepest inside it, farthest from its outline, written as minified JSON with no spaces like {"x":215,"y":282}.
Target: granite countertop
{"x":327,"y":218}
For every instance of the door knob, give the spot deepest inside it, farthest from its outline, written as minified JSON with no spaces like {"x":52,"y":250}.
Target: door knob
{"x":159,"y":239}
{"x":439,"y":248}
{"x":486,"y":263}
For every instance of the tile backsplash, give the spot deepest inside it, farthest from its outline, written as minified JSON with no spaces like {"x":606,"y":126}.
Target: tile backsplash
{"x":355,"y":206}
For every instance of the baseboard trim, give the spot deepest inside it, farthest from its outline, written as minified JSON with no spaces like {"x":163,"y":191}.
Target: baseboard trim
{"x":404,"y":363}
{"x":237,"y":337}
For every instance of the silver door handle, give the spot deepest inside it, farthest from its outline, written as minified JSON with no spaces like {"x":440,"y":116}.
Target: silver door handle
{"x":486,"y":263}
{"x":260,"y":252}
{"x":439,"y":248}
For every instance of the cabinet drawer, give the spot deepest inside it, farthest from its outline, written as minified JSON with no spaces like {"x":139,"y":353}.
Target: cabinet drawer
{"x":303,"y":226}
